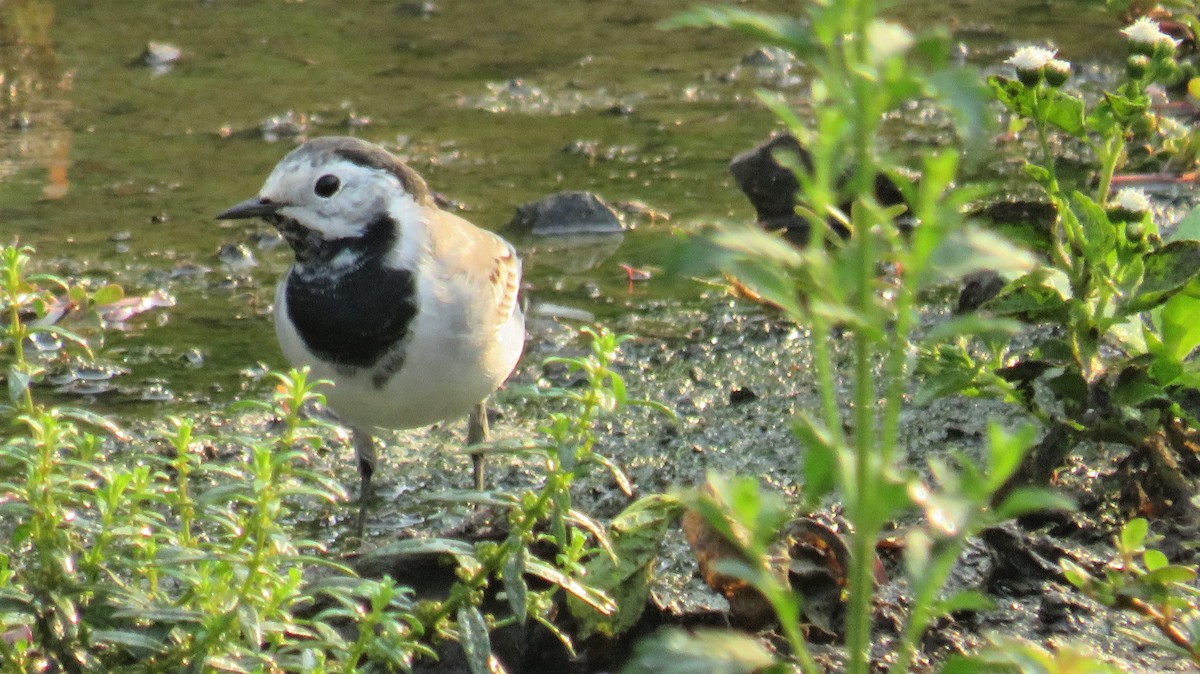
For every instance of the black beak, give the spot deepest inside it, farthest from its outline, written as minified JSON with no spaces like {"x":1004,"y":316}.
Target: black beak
{"x":254,"y":207}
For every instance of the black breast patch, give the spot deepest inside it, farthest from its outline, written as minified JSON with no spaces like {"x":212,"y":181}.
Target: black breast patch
{"x":356,"y":318}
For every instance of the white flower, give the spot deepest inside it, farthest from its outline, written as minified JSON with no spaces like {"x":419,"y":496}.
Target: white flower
{"x":1031,"y":59}
{"x":888,"y":39}
{"x":1146,"y":31}
{"x":1132,"y":200}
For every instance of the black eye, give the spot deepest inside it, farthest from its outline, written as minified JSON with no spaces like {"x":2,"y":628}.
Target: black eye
{"x":327,"y":185}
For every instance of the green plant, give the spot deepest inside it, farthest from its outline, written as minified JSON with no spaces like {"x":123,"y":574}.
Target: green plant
{"x":613,"y":554}
{"x":122,"y":558}
{"x":955,"y":504}
{"x":864,"y":67}
{"x":27,"y":303}
{"x":1122,"y":300}
{"x":1013,"y":656}
{"x":1138,"y":579}
{"x":1142,"y":580}
{"x":176,"y":564}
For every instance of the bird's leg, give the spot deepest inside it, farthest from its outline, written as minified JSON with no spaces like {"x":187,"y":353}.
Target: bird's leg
{"x":477,"y":432}
{"x":364,"y":455}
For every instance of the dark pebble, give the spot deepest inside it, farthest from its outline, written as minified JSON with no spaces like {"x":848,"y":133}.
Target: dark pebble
{"x":567,"y":213}
{"x":740,"y":395}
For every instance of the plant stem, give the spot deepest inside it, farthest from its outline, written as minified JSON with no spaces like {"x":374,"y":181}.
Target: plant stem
{"x":823,"y":364}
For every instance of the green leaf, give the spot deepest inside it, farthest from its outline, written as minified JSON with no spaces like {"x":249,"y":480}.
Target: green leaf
{"x":1099,"y":233}
{"x":65,"y":335}
{"x":762,"y":261}
{"x":515,"y":588}
{"x":702,"y":651}
{"x":635,"y":535}
{"x":249,"y":620}
{"x":1034,"y":298}
{"x":965,"y":600}
{"x":140,"y":640}
{"x":108,"y":294}
{"x":971,"y":324}
{"x":973,"y":249}
{"x":1134,"y":387}
{"x":1075,"y":574}
{"x":959,"y":90}
{"x":1039,"y":175}
{"x":1015,"y":96}
{"x":1154,"y":560}
{"x":1005,"y":452}
{"x":1179,"y":326}
{"x":1062,"y":110}
{"x":714,"y":250}
{"x":1133,"y":534}
{"x":1188,"y":228}
{"x":1066,"y":111}
{"x":573,"y":586}
{"x":818,"y":460}
{"x":474,"y":639}
{"x":414,"y":546}
{"x":1167,"y":575}
{"x":1167,"y":271}
{"x":1031,"y":499}
{"x":943,"y":382}
{"x":18,"y":383}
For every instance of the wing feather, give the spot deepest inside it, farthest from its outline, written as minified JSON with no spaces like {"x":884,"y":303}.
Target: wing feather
{"x":485,"y":259}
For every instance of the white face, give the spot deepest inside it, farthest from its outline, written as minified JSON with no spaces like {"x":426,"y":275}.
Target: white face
{"x":331,"y":196}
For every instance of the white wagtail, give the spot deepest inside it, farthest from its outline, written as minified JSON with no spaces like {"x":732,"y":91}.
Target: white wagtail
{"x":409,"y":310}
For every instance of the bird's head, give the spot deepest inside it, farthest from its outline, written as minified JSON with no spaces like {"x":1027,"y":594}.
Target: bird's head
{"x":335,"y":192}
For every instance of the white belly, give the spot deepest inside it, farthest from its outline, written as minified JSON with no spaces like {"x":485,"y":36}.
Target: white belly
{"x":447,"y":370}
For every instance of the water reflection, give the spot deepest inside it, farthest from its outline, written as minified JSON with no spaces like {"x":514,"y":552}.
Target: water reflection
{"x":34,"y":100}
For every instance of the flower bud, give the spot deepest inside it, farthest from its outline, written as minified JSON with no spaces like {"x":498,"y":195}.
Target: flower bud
{"x":1130,"y":206}
{"x":1135,"y":230}
{"x":1165,"y":49}
{"x":1136,"y":66}
{"x":1057,"y":71}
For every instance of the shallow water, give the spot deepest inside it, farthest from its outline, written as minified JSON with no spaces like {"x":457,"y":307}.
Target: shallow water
{"x":113,"y":169}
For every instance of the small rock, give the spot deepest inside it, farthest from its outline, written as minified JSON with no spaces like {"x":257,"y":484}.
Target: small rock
{"x":290,"y":124}
{"x":741,"y":396}
{"x":1061,"y":613}
{"x":194,"y":358}
{"x":1022,"y":563}
{"x":267,"y":240}
{"x":161,"y":54}
{"x":567,"y":213}
{"x":977,"y":288}
{"x":236,"y":256}
{"x":354,"y":121}
{"x":422,"y":10}
{"x":764,"y":57}
{"x":586,"y":148}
